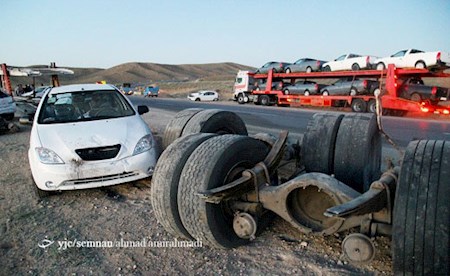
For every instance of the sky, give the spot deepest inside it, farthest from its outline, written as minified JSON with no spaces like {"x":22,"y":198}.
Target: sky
{"x":106,"y":33}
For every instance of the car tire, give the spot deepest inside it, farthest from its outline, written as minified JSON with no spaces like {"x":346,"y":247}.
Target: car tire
{"x":308,"y":69}
{"x":265,"y":100}
{"x":288,"y":70}
{"x":286,"y":91}
{"x":381,"y":66}
{"x":353,"y":91}
{"x":215,"y":163}
{"x":415,"y":97}
{"x":420,"y":65}
{"x":355,"y":67}
{"x":164,"y":190}
{"x":421,"y":223}
{"x":175,"y":127}
{"x":325,"y":93}
{"x":359,"y":105}
{"x":327,"y":69}
{"x":318,"y":145}
{"x":215,"y":121}
{"x":357,"y":158}
{"x":306,"y":93}
{"x":197,"y":100}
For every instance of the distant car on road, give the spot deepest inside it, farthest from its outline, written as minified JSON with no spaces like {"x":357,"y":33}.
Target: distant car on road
{"x":350,"y":62}
{"x":350,"y":86}
{"x":305,"y":88}
{"x":206,"y":95}
{"x":277,"y":66}
{"x":151,"y":91}
{"x":415,"y":58}
{"x":7,"y":106}
{"x":307,"y":65}
{"x":86,"y":136}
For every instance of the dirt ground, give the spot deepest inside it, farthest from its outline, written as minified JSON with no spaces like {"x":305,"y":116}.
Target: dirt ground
{"x":124,"y":212}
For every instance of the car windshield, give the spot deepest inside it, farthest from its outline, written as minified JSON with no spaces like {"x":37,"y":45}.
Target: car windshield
{"x":83,"y":106}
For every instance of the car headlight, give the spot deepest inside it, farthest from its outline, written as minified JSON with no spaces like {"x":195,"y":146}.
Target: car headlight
{"x":144,"y":144}
{"x":48,"y":156}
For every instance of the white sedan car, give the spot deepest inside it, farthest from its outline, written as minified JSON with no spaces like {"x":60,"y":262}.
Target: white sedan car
{"x":204,"y":96}
{"x":87,"y":136}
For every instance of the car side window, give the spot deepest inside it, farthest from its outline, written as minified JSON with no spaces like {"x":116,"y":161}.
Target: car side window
{"x":340,"y":58}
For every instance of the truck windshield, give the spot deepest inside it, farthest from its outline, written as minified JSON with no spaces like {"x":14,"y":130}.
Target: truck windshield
{"x":83,"y":106}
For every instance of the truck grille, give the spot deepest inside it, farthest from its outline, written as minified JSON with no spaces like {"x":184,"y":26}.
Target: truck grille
{"x":101,"y":153}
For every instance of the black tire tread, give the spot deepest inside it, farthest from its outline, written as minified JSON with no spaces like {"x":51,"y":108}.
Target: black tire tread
{"x":175,"y":127}
{"x":357,"y":156}
{"x":214,"y":121}
{"x":317,"y":149}
{"x":421,"y":243}
{"x":197,"y":174}
{"x":164,"y":189}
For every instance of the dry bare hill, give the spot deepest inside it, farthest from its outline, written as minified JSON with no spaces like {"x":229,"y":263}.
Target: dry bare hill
{"x":137,"y":72}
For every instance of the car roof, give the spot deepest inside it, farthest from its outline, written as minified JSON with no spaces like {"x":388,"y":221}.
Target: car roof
{"x":81,"y":87}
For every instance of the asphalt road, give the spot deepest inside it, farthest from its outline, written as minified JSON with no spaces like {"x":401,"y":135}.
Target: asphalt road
{"x":274,"y":119}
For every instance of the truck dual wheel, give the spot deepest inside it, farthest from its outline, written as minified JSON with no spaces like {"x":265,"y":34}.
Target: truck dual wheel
{"x":359,"y":105}
{"x":421,"y":221}
{"x":195,"y":120}
{"x":164,"y":191}
{"x":372,"y":106}
{"x":216,"y":162}
{"x":241,"y":99}
{"x":357,"y":155}
{"x":264,"y":99}
{"x":175,"y":127}
{"x":317,"y":149}
{"x":215,"y":121}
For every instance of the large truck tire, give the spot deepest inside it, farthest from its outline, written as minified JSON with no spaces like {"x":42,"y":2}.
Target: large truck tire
{"x":357,"y":155}
{"x":215,"y":121}
{"x":318,"y":144}
{"x":215,"y":163}
{"x":421,"y":222}
{"x":164,"y":190}
{"x":175,"y":127}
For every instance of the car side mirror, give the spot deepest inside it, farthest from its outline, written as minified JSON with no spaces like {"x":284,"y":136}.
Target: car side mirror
{"x":142,"y":109}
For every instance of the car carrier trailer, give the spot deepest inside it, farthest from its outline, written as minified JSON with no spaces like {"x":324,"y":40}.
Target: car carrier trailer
{"x":388,"y":93}
{"x":216,"y":184}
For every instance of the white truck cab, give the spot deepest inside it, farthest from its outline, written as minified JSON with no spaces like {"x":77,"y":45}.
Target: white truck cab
{"x":243,"y":87}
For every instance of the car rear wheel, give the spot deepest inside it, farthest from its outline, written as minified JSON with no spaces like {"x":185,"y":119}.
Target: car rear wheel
{"x":308,"y":69}
{"x":288,"y":70}
{"x":325,"y":93}
{"x":420,"y":65}
{"x":415,"y":97}
{"x":355,"y":67}
{"x":327,"y":68}
{"x":286,"y":91}
{"x":197,"y":100}
{"x":380,"y":66}
{"x":353,"y":92}
{"x":306,"y":93}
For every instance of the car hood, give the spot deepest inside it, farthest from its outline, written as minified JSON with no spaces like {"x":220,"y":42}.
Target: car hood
{"x":64,"y":139}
